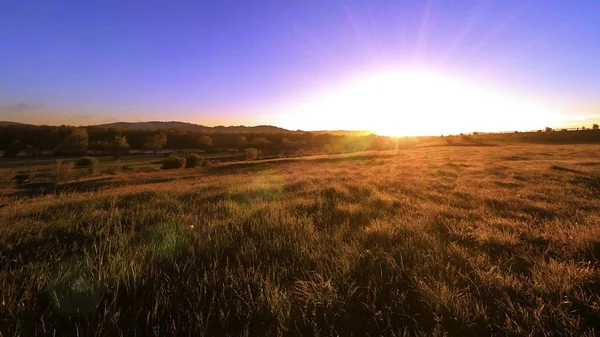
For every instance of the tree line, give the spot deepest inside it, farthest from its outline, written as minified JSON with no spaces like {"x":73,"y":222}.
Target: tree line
{"x":68,"y":140}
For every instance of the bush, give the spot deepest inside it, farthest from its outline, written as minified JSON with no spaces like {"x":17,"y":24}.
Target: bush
{"x":173,"y":163}
{"x":85,"y":162}
{"x":193,"y":160}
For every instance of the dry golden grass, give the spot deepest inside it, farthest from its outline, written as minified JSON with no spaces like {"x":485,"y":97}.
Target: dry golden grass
{"x":445,"y":240}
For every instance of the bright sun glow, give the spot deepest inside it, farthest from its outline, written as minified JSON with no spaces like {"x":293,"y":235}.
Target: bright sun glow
{"x":403,"y":103}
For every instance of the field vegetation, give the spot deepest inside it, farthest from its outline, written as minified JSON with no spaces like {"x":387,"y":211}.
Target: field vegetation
{"x":260,"y":142}
{"x":440,"y":239}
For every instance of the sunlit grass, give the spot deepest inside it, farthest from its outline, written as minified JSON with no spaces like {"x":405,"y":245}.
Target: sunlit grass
{"x":432,"y":241}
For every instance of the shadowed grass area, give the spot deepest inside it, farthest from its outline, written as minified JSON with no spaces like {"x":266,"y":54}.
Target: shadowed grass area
{"x":459,"y":241}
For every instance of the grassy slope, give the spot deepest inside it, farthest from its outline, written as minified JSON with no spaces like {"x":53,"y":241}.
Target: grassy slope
{"x":459,"y":240}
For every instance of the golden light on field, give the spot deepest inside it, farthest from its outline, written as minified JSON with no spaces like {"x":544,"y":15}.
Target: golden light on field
{"x":399,"y":103}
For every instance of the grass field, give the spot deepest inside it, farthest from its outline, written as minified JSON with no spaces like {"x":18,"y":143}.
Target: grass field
{"x":49,"y":162}
{"x":471,"y":240}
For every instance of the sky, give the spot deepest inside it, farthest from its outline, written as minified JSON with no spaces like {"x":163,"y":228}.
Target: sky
{"x":308,"y":64}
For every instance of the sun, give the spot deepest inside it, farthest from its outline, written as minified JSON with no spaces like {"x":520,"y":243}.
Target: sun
{"x":406,"y":103}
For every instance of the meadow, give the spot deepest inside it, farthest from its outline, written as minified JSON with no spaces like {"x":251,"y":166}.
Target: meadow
{"x":439,"y":240}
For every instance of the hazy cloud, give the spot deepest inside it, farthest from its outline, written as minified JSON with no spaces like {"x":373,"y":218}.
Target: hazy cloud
{"x":83,"y":117}
{"x":21,"y":107}
{"x":40,"y":114}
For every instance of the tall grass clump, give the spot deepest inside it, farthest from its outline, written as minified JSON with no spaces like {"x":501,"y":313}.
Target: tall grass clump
{"x":168,"y":239}
{"x":115,"y":167}
{"x":63,"y":170}
{"x":6,"y":177}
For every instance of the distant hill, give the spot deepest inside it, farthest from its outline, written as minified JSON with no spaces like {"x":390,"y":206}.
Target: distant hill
{"x":184,"y":126}
{"x":154,"y":125}
{"x":11,"y":123}
{"x":345,"y":132}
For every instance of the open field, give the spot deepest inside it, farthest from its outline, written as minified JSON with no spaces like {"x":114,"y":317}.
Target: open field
{"x":459,"y":240}
{"x":47,"y":163}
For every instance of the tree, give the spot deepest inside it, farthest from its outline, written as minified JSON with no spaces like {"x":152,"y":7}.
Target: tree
{"x":118,"y":146}
{"x":595,"y":127}
{"x":251,"y":153}
{"x":548,"y":129}
{"x":97,"y":146}
{"x":259,"y":141}
{"x":76,"y":143}
{"x":381,"y":143}
{"x":286,"y":143}
{"x":32,"y":151}
{"x":13,"y":149}
{"x":203,"y":141}
{"x":156,"y":142}
{"x":240,"y":141}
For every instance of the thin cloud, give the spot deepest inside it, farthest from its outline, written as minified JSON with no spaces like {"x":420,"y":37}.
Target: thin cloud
{"x":21,"y":107}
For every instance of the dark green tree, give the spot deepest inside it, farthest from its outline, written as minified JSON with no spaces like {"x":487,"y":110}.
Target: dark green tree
{"x":13,"y":149}
{"x":155,"y":142}
{"x":75,"y":143}
{"x":118,"y":146}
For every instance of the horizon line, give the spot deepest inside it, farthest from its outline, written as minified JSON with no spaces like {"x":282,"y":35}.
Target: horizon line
{"x":567,"y":127}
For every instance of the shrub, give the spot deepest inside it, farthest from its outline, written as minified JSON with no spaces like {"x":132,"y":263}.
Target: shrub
{"x":173,"y":163}
{"x":85,"y":162}
{"x":193,"y":160}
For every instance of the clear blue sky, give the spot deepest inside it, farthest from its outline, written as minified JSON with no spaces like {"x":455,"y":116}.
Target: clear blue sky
{"x":240,"y":62}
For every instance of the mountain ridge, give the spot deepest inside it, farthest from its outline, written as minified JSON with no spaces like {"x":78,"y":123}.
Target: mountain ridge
{"x":12,"y":123}
{"x":186,"y":126}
